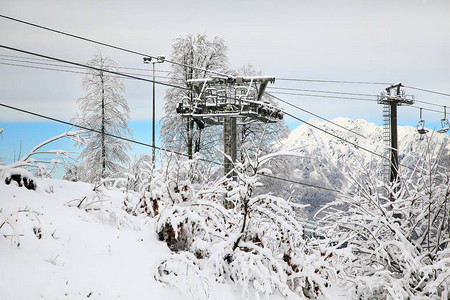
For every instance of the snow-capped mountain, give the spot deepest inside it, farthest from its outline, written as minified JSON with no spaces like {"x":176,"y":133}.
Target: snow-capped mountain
{"x":326,"y":159}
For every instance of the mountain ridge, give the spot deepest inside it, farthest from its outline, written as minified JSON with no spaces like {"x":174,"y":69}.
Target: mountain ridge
{"x":328,"y":159}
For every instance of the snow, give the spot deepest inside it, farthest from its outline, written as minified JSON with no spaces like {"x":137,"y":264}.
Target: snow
{"x":65,"y":241}
{"x":326,"y":158}
{"x":74,"y":240}
{"x":80,"y":254}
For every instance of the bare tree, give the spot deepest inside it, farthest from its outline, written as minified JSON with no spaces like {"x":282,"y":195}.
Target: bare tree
{"x":105,"y":110}
{"x":253,"y":132}
{"x":197,"y":55}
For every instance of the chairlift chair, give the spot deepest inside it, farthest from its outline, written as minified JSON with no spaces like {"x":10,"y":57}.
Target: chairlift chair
{"x":421,"y":125}
{"x":444,"y":122}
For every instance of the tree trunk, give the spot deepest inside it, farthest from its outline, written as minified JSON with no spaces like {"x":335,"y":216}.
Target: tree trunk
{"x":190,"y":137}
{"x":198,"y":140}
{"x":243,"y":138}
{"x":103,"y":155}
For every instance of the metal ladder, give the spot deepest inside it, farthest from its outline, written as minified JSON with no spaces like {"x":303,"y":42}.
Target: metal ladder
{"x":387,"y":141}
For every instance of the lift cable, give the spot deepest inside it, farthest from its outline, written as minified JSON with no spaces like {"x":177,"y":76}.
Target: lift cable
{"x":109,"y":45}
{"x":198,"y":68}
{"x":342,"y":139}
{"x":78,"y":72}
{"x":91,"y":67}
{"x":179,"y":87}
{"x":358,"y":99}
{"x":429,"y":103}
{"x":32,"y":60}
{"x":332,"y":81}
{"x":275,"y":88}
{"x":320,"y":91}
{"x":317,"y":116}
{"x":156,"y":147}
{"x":428,"y":109}
{"x":81,"y":72}
{"x":323,"y":96}
{"x":167,"y":60}
{"x":428,"y":91}
{"x":180,"y":80}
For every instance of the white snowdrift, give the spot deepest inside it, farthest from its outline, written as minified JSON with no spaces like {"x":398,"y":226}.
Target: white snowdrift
{"x":51,"y":249}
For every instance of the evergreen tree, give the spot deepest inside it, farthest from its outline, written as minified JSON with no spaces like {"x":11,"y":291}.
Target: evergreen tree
{"x":104,"y":109}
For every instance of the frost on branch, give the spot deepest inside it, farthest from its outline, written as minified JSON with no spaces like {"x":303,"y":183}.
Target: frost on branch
{"x":17,"y":223}
{"x":106,"y":111}
{"x":194,"y":53}
{"x":257,"y":244}
{"x":18,"y":171}
{"x":400,"y":247}
{"x":191,"y":212}
{"x":143,"y":183}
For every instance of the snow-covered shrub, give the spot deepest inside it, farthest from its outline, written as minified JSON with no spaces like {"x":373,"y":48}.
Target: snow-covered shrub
{"x":400,"y":247}
{"x":268,"y":252}
{"x":16,"y":223}
{"x":256,"y":243}
{"x":20,"y":176}
{"x":142,"y":184}
{"x":184,"y":271}
{"x":17,"y":171}
{"x":191,"y":212}
{"x":98,"y":202}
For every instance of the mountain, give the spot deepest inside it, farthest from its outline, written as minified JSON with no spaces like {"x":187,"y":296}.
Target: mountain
{"x":326,"y":160}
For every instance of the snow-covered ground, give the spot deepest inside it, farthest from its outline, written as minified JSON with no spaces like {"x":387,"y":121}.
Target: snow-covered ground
{"x":51,"y":249}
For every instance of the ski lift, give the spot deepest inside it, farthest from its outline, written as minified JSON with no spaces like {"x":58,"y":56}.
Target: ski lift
{"x":421,"y":125}
{"x":444,"y":122}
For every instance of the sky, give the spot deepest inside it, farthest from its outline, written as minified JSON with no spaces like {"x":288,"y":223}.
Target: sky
{"x":338,"y":40}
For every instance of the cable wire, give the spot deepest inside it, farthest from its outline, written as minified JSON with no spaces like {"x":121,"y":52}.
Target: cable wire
{"x":342,"y":139}
{"x":174,"y":79}
{"x":317,"y":116}
{"x":332,"y":81}
{"x":323,"y":96}
{"x":80,"y":72}
{"x":345,"y":98}
{"x":429,"y":103}
{"x":91,"y":67}
{"x":427,"y":109}
{"x":33,"y":60}
{"x":179,"y":87}
{"x":428,"y":91}
{"x":109,"y":45}
{"x":171,"y":61}
{"x":321,"y":91}
{"x":151,"y":146}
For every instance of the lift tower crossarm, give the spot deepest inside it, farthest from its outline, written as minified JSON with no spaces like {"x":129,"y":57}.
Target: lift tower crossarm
{"x":231,"y":80}
{"x":221,"y":100}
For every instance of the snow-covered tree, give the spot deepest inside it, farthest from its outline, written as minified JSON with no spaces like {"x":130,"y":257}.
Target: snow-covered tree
{"x":105,"y":110}
{"x":251,"y":132}
{"x":185,"y":134}
{"x":400,"y":248}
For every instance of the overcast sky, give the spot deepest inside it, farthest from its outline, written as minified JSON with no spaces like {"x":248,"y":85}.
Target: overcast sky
{"x":376,"y":41}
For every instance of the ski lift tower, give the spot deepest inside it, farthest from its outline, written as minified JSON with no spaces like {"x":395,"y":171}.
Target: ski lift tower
{"x":390,"y":102}
{"x":221,"y":100}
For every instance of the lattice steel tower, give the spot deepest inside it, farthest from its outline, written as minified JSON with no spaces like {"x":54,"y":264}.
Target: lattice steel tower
{"x":390,"y":102}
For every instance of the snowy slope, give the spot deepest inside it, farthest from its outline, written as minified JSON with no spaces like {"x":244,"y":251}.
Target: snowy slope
{"x":327,"y":158}
{"x":51,"y":249}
